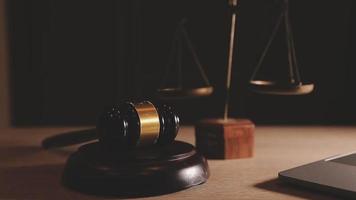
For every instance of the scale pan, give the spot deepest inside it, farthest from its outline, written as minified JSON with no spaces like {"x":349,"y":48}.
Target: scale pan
{"x":178,"y":93}
{"x":272,"y":88}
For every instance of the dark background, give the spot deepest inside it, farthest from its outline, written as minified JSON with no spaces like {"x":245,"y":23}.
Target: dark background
{"x":69,"y":59}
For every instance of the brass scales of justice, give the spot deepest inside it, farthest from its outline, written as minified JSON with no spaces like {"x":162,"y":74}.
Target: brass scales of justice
{"x":229,"y":138}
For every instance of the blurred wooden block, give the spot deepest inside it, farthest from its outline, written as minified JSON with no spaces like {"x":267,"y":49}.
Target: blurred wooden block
{"x":225,"y":139}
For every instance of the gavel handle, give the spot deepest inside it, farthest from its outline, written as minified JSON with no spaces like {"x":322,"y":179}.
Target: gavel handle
{"x":69,"y":138}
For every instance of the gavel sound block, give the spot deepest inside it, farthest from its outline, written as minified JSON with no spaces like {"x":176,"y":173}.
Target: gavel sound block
{"x":140,"y":172}
{"x":225,"y":139}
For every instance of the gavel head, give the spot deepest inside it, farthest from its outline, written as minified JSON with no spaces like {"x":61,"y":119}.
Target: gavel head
{"x":138,"y":124}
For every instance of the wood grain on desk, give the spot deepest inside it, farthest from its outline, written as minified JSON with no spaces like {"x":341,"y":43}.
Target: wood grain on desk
{"x":29,"y":172}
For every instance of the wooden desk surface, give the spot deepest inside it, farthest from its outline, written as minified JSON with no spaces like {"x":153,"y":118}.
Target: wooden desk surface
{"x":29,"y":172}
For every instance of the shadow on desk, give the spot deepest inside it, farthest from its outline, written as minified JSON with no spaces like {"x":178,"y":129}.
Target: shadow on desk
{"x":275,"y":185}
{"x":34,"y":182}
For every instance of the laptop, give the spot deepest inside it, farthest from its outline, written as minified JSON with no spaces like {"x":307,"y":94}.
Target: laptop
{"x":335,"y":175}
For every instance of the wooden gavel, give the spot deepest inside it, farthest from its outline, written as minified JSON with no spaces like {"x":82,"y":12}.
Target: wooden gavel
{"x":126,"y":125}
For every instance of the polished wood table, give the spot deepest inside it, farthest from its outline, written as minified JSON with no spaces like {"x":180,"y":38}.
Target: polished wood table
{"x":29,"y":172}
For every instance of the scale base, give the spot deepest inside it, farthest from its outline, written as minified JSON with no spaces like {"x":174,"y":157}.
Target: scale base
{"x":225,"y":139}
{"x":137,"y":172}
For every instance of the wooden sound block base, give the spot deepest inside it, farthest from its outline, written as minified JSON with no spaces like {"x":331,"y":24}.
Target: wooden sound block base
{"x":225,"y":139}
{"x":137,"y":172}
